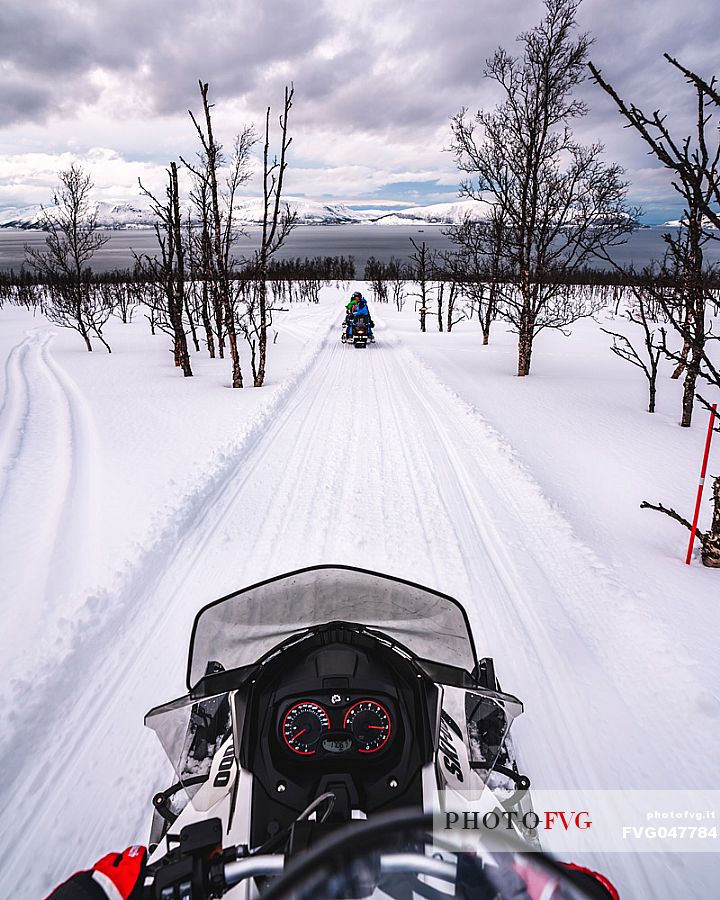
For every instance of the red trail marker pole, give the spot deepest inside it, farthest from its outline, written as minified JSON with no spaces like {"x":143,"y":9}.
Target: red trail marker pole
{"x":701,"y":485}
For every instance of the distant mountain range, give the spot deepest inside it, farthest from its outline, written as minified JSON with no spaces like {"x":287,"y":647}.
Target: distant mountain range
{"x":249,"y":212}
{"x":110,"y":215}
{"x":124,"y":215}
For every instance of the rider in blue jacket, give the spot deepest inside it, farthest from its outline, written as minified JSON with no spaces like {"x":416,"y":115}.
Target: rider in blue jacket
{"x":359,"y":308}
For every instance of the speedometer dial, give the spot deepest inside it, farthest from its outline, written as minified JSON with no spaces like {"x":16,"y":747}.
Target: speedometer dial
{"x":303,"y":725}
{"x":370,"y":725}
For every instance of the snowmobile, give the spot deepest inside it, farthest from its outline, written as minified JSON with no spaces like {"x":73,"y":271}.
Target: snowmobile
{"x":331,"y":714}
{"x":360,"y":333}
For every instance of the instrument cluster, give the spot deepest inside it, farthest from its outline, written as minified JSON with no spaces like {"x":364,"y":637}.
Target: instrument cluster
{"x":310,"y":728}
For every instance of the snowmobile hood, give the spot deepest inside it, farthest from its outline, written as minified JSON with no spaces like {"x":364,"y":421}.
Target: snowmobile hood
{"x":241,"y":628}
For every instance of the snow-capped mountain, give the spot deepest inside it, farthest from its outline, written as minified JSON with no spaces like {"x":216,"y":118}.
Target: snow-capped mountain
{"x":129,"y":215}
{"x":682,"y":223}
{"x":249,"y":212}
{"x":308,"y":212}
{"x":436,"y":213}
{"x":110,"y":215}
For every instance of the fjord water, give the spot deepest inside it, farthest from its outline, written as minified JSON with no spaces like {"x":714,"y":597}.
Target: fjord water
{"x":358,"y":241}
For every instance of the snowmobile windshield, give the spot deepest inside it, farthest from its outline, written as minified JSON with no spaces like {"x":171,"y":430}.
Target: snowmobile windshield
{"x":242,"y":628}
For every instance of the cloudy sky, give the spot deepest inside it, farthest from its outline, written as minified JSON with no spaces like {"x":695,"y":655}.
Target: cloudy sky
{"x":109,"y":83}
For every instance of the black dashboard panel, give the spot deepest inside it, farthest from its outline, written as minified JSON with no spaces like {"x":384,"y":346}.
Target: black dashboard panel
{"x":341,"y":713}
{"x":329,"y":724}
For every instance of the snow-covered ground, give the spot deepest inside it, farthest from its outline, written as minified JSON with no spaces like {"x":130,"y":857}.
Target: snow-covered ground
{"x":130,"y":496}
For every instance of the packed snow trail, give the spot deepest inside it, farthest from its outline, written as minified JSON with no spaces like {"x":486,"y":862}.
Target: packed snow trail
{"x":47,"y":476}
{"x":366,"y":461}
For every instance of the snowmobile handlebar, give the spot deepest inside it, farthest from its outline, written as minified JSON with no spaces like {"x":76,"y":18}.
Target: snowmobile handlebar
{"x":227,"y":875}
{"x":197,"y":866}
{"x":389,"y":863}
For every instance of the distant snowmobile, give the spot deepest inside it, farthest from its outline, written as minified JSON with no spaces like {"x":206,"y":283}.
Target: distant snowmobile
{"x":358,"y":325}
{"x":358,"y":333}
{"x":328,"y":710}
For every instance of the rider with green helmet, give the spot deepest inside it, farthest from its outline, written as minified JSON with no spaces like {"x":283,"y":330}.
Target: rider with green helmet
{"x":357,"y":304}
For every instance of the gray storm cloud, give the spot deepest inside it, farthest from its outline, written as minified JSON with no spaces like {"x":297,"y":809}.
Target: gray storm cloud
{"x":393,"y":71}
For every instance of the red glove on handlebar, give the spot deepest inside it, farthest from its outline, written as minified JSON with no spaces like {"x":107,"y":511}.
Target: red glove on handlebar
{"x":544,"y":885}
{"x":592,"y":877}
{"x":117,"y":876}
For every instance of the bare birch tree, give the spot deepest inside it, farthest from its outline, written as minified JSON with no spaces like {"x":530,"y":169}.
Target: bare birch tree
{"x":476,"y":264}
{"x":421,"y":270}
{"x":396,"y":274}
{"x":560,"y":202}
{"x":73,"y":238}
{"x":693,"y":161}
{"x":221,"y":211}
{"x":710,"y":539}
{"x":201,"y":268}
{"x":278,"y":222}
{"x":646,"y":358}
{"x":168,"y":271}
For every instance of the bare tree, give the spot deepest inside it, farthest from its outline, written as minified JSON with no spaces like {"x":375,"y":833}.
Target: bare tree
{"x":559,"y":201}
{"x":693,"y":162}
{"x":21,"y":289}
{"x":456,"y":313}
{"x":221,"y":225}
{"x":396,"y":273}
{"x":202,"y":265}
{"x":708,"y":407}
{"x":710,"y":539}
{"x":386,"y":279}
{"x":169,"y":270}
{"x":73,"y":237}
{"x":118,"y":295}
{"x":376,"y":274}
{"x":193,"y":302}
{"x":684,"y":294}
{"x":440,"y":301}
{"x":278,"y":222}
{"x":477,"y":264}
{"x":710,"y":551}
{"x":648,"y":358}
{"x":422,"y":270}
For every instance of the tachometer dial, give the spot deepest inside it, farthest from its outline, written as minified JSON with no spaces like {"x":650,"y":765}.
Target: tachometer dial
{"x":303,"y":725}
{"x":370,"y":725}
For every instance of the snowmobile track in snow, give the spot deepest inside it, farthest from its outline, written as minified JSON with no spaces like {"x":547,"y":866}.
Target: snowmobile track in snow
{"x":365,"y":459}
{"x":44,"y":428}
